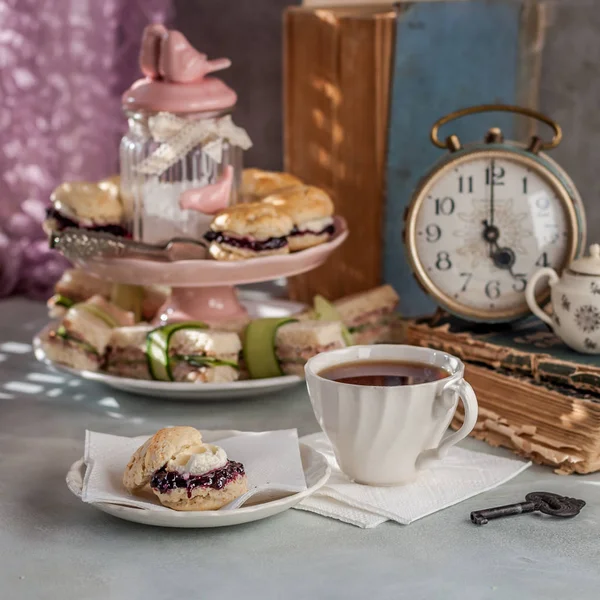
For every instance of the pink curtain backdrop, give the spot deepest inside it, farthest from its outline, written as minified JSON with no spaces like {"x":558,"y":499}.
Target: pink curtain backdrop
{"x":63,"y":67}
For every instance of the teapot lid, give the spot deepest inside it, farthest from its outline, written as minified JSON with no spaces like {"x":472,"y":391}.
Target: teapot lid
{"x":588,"y":265}
{"x":176,"y":77}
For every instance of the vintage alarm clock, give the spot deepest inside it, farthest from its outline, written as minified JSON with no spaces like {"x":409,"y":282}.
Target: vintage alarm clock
{"x":487,"y":216}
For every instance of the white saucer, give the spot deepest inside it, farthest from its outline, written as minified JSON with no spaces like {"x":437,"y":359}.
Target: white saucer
{"x":257,"y":306}
{"x":316,"y":472}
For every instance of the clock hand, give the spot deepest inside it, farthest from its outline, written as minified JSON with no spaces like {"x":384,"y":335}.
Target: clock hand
{"x":492,"y":164}
{"x":502,"y":256}
{"x":491,"y":235}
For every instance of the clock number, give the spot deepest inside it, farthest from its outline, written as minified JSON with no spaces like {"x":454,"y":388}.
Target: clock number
{"x":524,"y":185}
{"x":443,"y":261}
{"x":496,"y":176}
{"x":433,"y":233}
{"x":521,"y":283}
{"x":554,"y":236}
{"x":492,"y":289}
{"x":466,"y":283}
{"x":444,"y":206}
{"x":469,"y":184}
{"x":542,"y":261}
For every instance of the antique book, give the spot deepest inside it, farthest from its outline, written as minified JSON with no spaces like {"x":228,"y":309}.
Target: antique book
{"x":536,"y":396}
{"x":528,"y":348}
{"x":337,"y":65}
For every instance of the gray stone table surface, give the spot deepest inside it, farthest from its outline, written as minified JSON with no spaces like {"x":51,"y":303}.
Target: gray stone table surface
{"x":52,"y":546}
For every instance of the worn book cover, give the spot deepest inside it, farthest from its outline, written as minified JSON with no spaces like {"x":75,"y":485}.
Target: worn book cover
{"x":528,"y":348}
{"x":337,"y":65}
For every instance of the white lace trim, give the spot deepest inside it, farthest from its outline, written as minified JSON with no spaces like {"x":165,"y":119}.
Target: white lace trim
{"x":178,"y":136}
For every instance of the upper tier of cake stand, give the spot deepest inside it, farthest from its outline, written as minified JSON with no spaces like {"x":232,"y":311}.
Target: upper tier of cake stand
{"x":211,"y":273}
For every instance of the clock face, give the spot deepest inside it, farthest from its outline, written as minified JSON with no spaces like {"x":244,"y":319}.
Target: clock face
{"x":482,"y":226}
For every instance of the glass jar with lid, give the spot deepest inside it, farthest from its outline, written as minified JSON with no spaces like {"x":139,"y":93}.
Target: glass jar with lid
{"x":181,"y":158}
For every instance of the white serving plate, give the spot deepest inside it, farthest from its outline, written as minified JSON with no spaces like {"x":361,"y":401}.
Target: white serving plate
{"x":256,"y":305}
{"x":316,"y":472}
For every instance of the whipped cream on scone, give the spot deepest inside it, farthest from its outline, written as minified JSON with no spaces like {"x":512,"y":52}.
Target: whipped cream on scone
{"x":249,"y":230}
{"x":183,"y":472}
{"x":311,"y":211}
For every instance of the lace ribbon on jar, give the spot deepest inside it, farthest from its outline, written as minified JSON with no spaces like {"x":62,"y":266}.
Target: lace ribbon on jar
{"x":178,"y":136}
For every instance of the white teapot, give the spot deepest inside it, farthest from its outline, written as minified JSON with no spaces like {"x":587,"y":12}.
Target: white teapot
{"x":575,"y":302}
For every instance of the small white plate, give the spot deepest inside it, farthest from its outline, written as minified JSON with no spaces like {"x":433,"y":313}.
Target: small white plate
{"x":257,"y":306}
{"x":316,"y":472}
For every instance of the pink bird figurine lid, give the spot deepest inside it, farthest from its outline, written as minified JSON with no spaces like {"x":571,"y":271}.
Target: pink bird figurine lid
{"x":176,"y":77}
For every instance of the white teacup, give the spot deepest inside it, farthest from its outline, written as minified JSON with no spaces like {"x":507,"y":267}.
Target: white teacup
{"x":384,"y":436}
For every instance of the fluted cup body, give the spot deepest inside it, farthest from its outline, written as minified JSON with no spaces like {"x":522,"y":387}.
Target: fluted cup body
{"x":383,"y":436}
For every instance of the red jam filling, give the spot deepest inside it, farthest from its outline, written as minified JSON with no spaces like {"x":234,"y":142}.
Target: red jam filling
{"x":164,"y":481}
{"x":255,"y":245}
{"x":65,"y":222}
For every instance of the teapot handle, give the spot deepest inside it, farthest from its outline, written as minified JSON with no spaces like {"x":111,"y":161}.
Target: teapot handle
{"x":530,"y":293}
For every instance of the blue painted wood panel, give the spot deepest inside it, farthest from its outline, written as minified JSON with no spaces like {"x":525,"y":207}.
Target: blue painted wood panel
{"x":448,"y":55}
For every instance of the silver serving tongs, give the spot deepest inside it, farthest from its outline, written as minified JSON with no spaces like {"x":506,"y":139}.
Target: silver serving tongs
{"x":82,"y":244}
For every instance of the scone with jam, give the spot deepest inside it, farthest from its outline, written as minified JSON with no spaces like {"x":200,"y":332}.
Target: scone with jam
{"x":184,"y":473}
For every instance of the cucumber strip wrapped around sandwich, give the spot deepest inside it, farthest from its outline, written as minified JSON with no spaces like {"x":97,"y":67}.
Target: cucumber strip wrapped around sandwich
{"x":179,"y":351}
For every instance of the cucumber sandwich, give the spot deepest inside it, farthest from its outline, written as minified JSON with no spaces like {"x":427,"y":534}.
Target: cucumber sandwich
{"x":175,"y":352}
{"x":275,"y":347}
{"x":81,"y":339}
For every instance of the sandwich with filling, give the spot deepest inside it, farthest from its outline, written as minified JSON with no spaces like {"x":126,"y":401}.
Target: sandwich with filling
{"x":86,"y":205}
{"x":257,"y":184}
{"x":369,"y":316}
{"x":296,"y":342}
{"x":311,"y":211}
{"x":77,"y":285}
{"x":82,"y":336}
{"x":184,"y":352}
{"x":248,"y":231}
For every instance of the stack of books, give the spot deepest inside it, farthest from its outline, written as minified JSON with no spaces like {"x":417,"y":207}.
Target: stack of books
{"x":536,"y":396}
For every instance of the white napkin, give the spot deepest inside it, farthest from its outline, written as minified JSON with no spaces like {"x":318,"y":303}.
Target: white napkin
{"x":460,"y":475}
{"x":271,"y":460}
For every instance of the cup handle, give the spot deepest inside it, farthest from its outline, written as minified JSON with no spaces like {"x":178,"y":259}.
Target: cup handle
{"x":469,"y":401}
{"x":530,"y":293}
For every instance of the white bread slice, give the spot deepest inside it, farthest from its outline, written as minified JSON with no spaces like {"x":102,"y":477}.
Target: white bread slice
{"x":93,"y":322}
{"x":66,"y":352}
{"x":78,"y":285}
{"x":132,"y":336}
{"x":225,"y":345}
{"x":353,"y":309}
{"x":310,"y":334}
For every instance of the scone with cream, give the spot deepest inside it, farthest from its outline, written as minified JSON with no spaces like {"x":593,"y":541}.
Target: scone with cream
{"x":311,"y":211}
{"x":183,"y":472}
{"x":249,"y":230}
{"x":95,"y":206}
{"x":257,"y":184}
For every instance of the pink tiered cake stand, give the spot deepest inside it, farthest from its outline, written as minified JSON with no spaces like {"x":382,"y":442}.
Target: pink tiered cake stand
{"x":203,"y":290}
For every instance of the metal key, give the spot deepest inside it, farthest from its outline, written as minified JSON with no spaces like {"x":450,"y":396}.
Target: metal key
{"x":544,"y":502}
